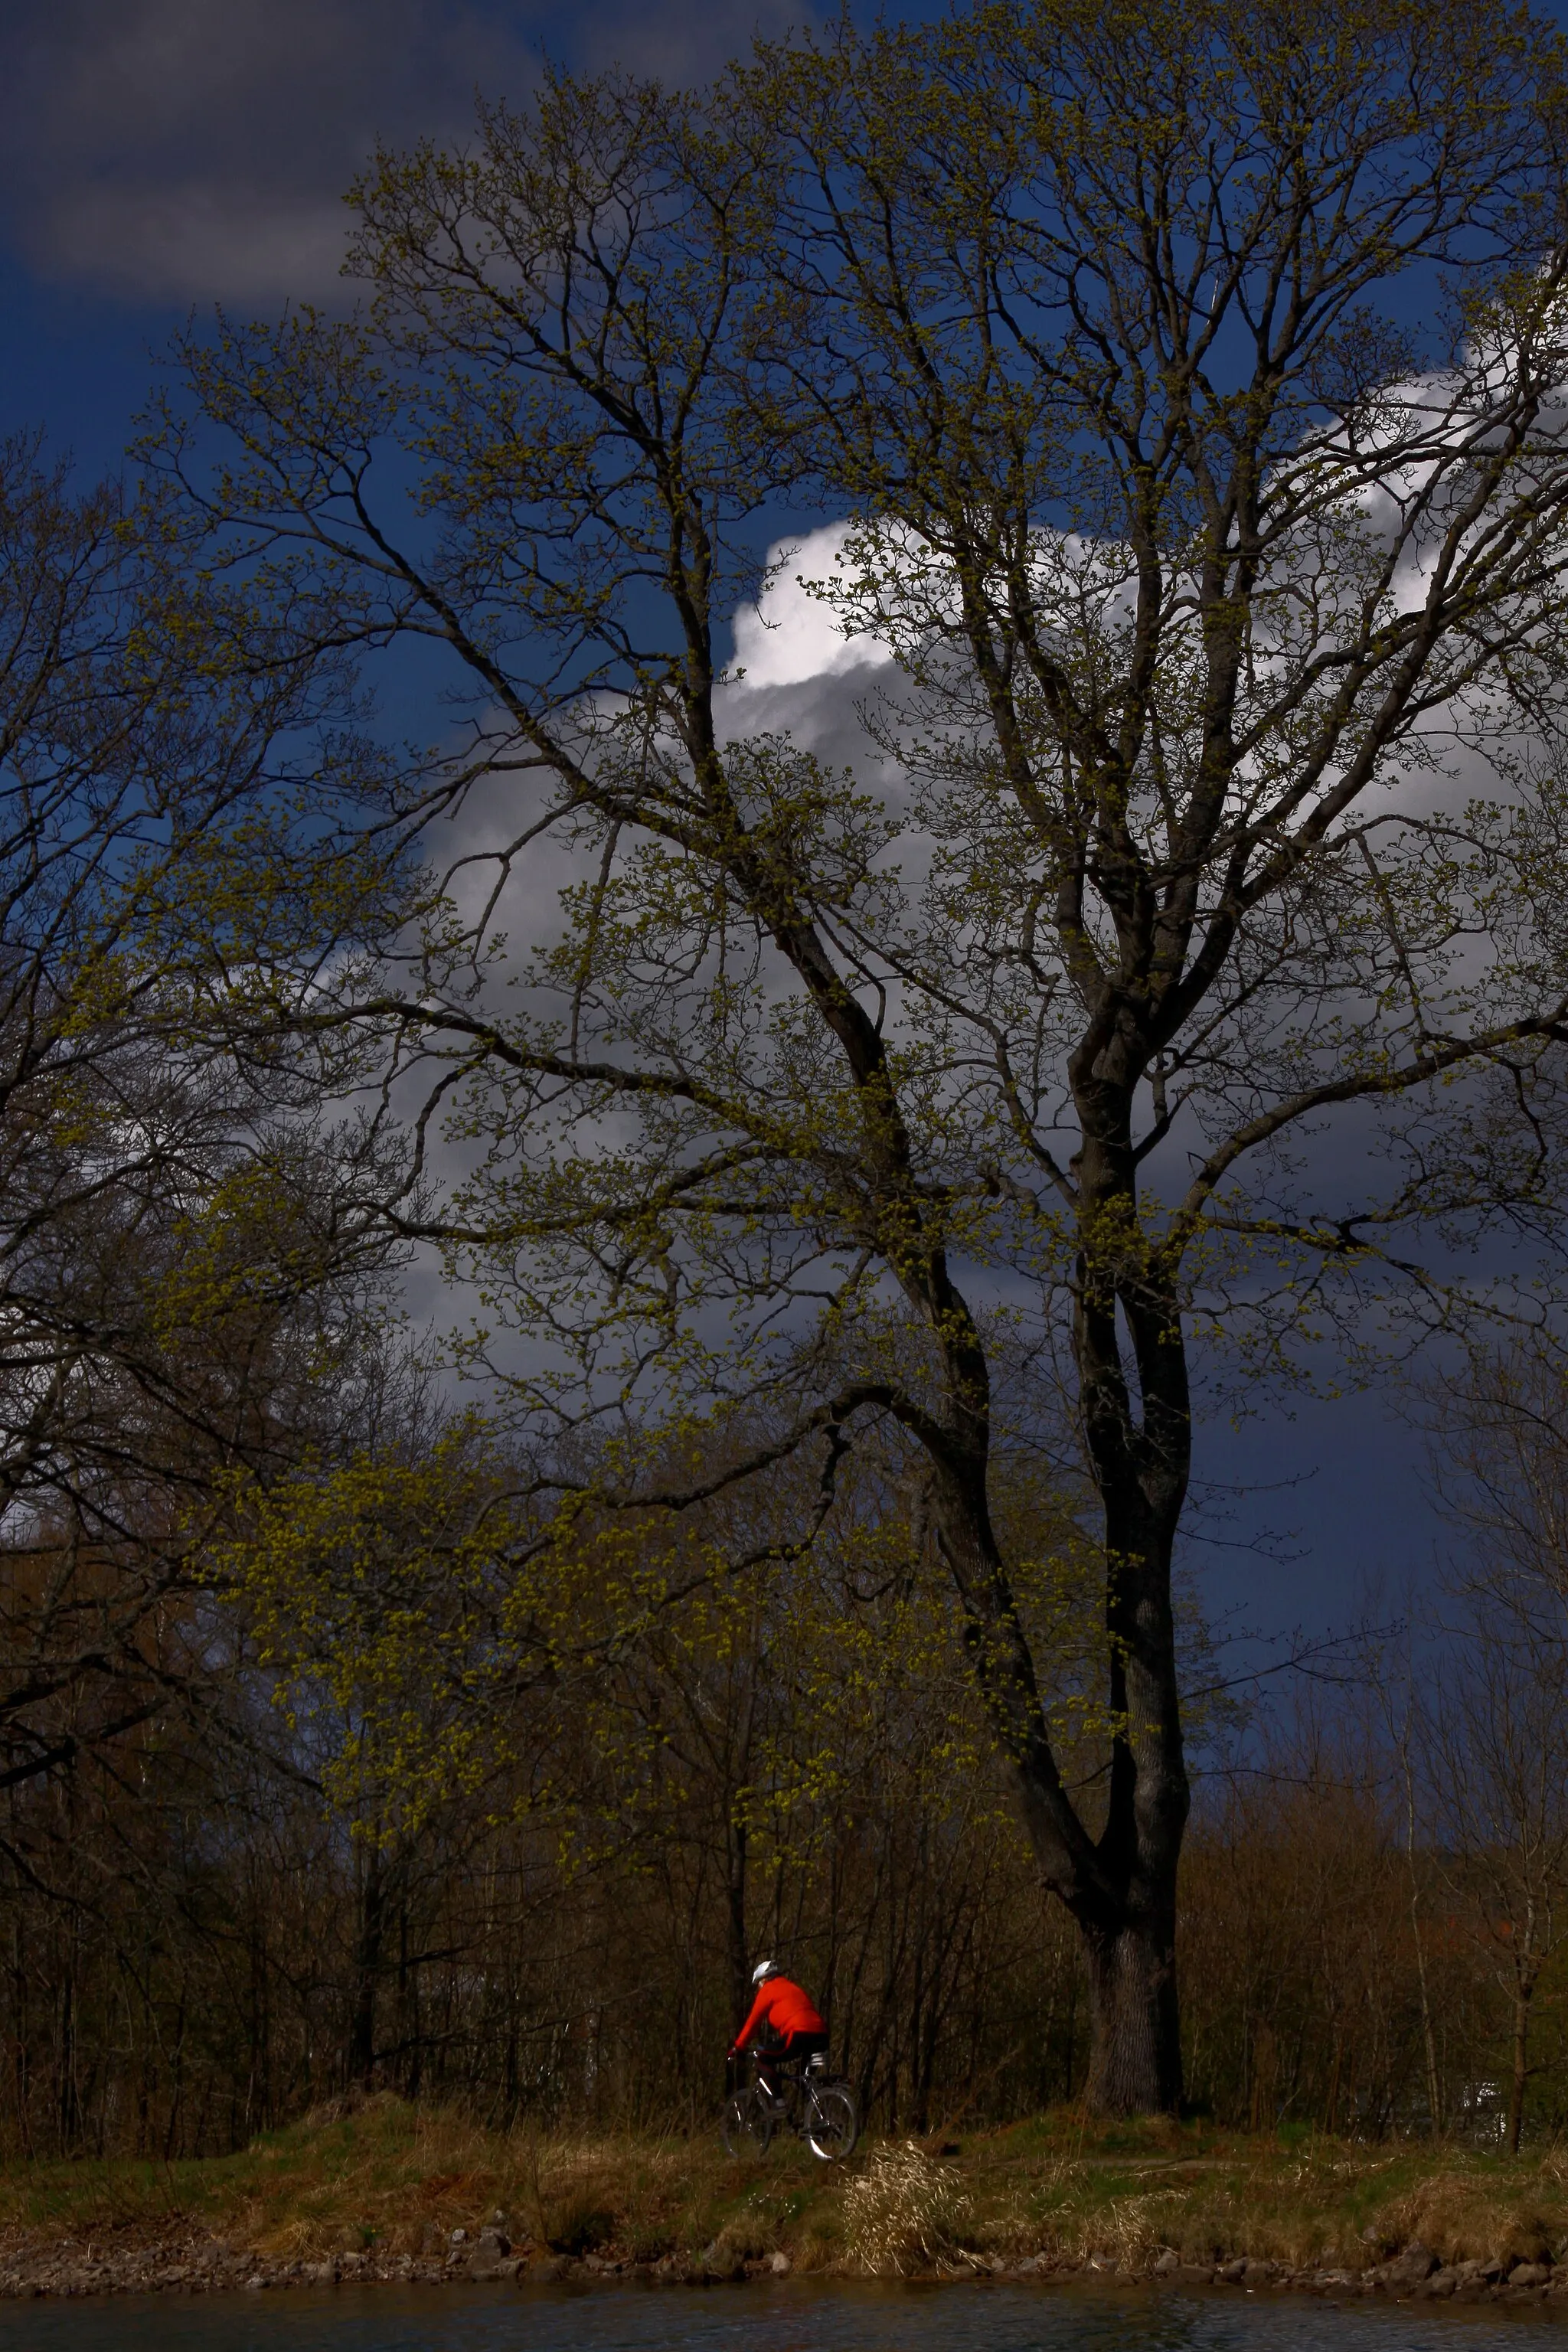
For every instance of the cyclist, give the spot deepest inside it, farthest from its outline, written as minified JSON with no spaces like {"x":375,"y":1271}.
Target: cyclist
{"x":782,"y":2024}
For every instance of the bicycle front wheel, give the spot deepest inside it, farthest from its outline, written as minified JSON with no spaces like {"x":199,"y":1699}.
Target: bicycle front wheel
{"x":833,"y":2125}
{"x":748,"y":2125}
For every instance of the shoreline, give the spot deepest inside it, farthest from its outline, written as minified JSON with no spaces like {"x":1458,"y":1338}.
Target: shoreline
{"x":379,"y":2191}
{"x":183,"y":2266}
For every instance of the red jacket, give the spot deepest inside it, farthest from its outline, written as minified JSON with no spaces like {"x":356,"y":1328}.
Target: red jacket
{"x":784,"y":2006}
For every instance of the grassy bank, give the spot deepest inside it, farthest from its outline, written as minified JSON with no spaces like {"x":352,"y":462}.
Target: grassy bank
{"x":389,"y":2182}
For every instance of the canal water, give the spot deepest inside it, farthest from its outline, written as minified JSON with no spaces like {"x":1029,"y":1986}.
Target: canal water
{"x":792,"y":2316}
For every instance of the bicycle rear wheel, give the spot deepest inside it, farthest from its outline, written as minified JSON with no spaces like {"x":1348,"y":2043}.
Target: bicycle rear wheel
{"x":747,"y":2124}
{"x":833,"y":2122}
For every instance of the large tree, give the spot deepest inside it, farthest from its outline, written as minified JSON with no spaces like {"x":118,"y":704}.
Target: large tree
{"x":1190,"y":380}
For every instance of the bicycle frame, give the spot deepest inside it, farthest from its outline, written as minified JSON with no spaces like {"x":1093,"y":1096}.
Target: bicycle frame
{"x":794,"y":2102}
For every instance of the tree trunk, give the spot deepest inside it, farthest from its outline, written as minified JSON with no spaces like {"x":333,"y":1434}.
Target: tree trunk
{"x":367,"y":1972}
{"x":735,"y":1920}
{"x":1521,"y":1999}
{"x":1428,"y":2036}
{"x":1135,"y":2056}
{"x":1121,"y":1884}
{"x":1138,"y":1439}
{"x":1121,"y":1887}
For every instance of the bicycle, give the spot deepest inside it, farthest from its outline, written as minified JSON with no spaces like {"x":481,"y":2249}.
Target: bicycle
{"x":820,"y":2108}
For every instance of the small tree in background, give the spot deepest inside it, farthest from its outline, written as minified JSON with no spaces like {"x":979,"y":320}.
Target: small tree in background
{"x":1496,"y":1712}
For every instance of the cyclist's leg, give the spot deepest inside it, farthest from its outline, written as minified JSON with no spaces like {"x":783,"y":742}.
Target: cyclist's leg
{"x":768,"y":2050}
{"x":799,"y":2049}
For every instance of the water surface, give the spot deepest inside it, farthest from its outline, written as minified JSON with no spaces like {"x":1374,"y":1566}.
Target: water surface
{"x":789,"y":2318}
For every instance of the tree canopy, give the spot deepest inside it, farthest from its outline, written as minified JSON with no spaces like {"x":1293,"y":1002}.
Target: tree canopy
{"x":1189,"y":383}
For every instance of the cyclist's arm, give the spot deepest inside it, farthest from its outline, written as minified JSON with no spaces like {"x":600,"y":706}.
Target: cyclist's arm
{"x":759,"y":2010}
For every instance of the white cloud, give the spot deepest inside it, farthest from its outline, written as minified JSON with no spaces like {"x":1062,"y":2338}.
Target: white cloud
{"x":792,"y":634}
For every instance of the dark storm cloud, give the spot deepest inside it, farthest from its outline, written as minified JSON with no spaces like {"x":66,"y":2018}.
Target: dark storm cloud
{"x":184,"y":150}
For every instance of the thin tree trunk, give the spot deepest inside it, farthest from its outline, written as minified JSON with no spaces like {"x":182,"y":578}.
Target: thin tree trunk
{"x":1434,"y":2087}
{"x":367,"y":1972}
{"x":1522,"y":1992}
{"x":1331,"y":2113}
{"x":735,"y":1900}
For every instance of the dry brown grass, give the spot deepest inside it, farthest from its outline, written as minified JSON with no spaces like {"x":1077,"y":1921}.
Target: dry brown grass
{"x":904,"y":2214}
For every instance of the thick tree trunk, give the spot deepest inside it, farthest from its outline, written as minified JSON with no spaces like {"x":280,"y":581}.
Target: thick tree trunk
{"x":1138,"y":1437}
{"x":1121,"y":1887}
{"x":1119,"y":1884}
{"x":1135,"y":2056}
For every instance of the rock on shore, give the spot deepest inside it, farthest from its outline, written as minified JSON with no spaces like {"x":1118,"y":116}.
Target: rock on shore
{"x":137,"y":2264}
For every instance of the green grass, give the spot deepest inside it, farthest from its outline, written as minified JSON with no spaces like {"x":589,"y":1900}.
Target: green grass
{"x":396,"y":2179}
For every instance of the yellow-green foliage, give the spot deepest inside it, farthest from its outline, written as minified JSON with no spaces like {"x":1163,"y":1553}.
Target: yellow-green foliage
{"x":446,"y":1631}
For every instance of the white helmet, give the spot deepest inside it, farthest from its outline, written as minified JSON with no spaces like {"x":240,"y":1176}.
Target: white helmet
{"x":763,"y":1970}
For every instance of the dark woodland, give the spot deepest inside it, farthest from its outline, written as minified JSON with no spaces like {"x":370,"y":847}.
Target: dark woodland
{"x":845,"y":1203}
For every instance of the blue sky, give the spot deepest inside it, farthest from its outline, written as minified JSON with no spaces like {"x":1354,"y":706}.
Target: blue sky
{"x":156,"y":155}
